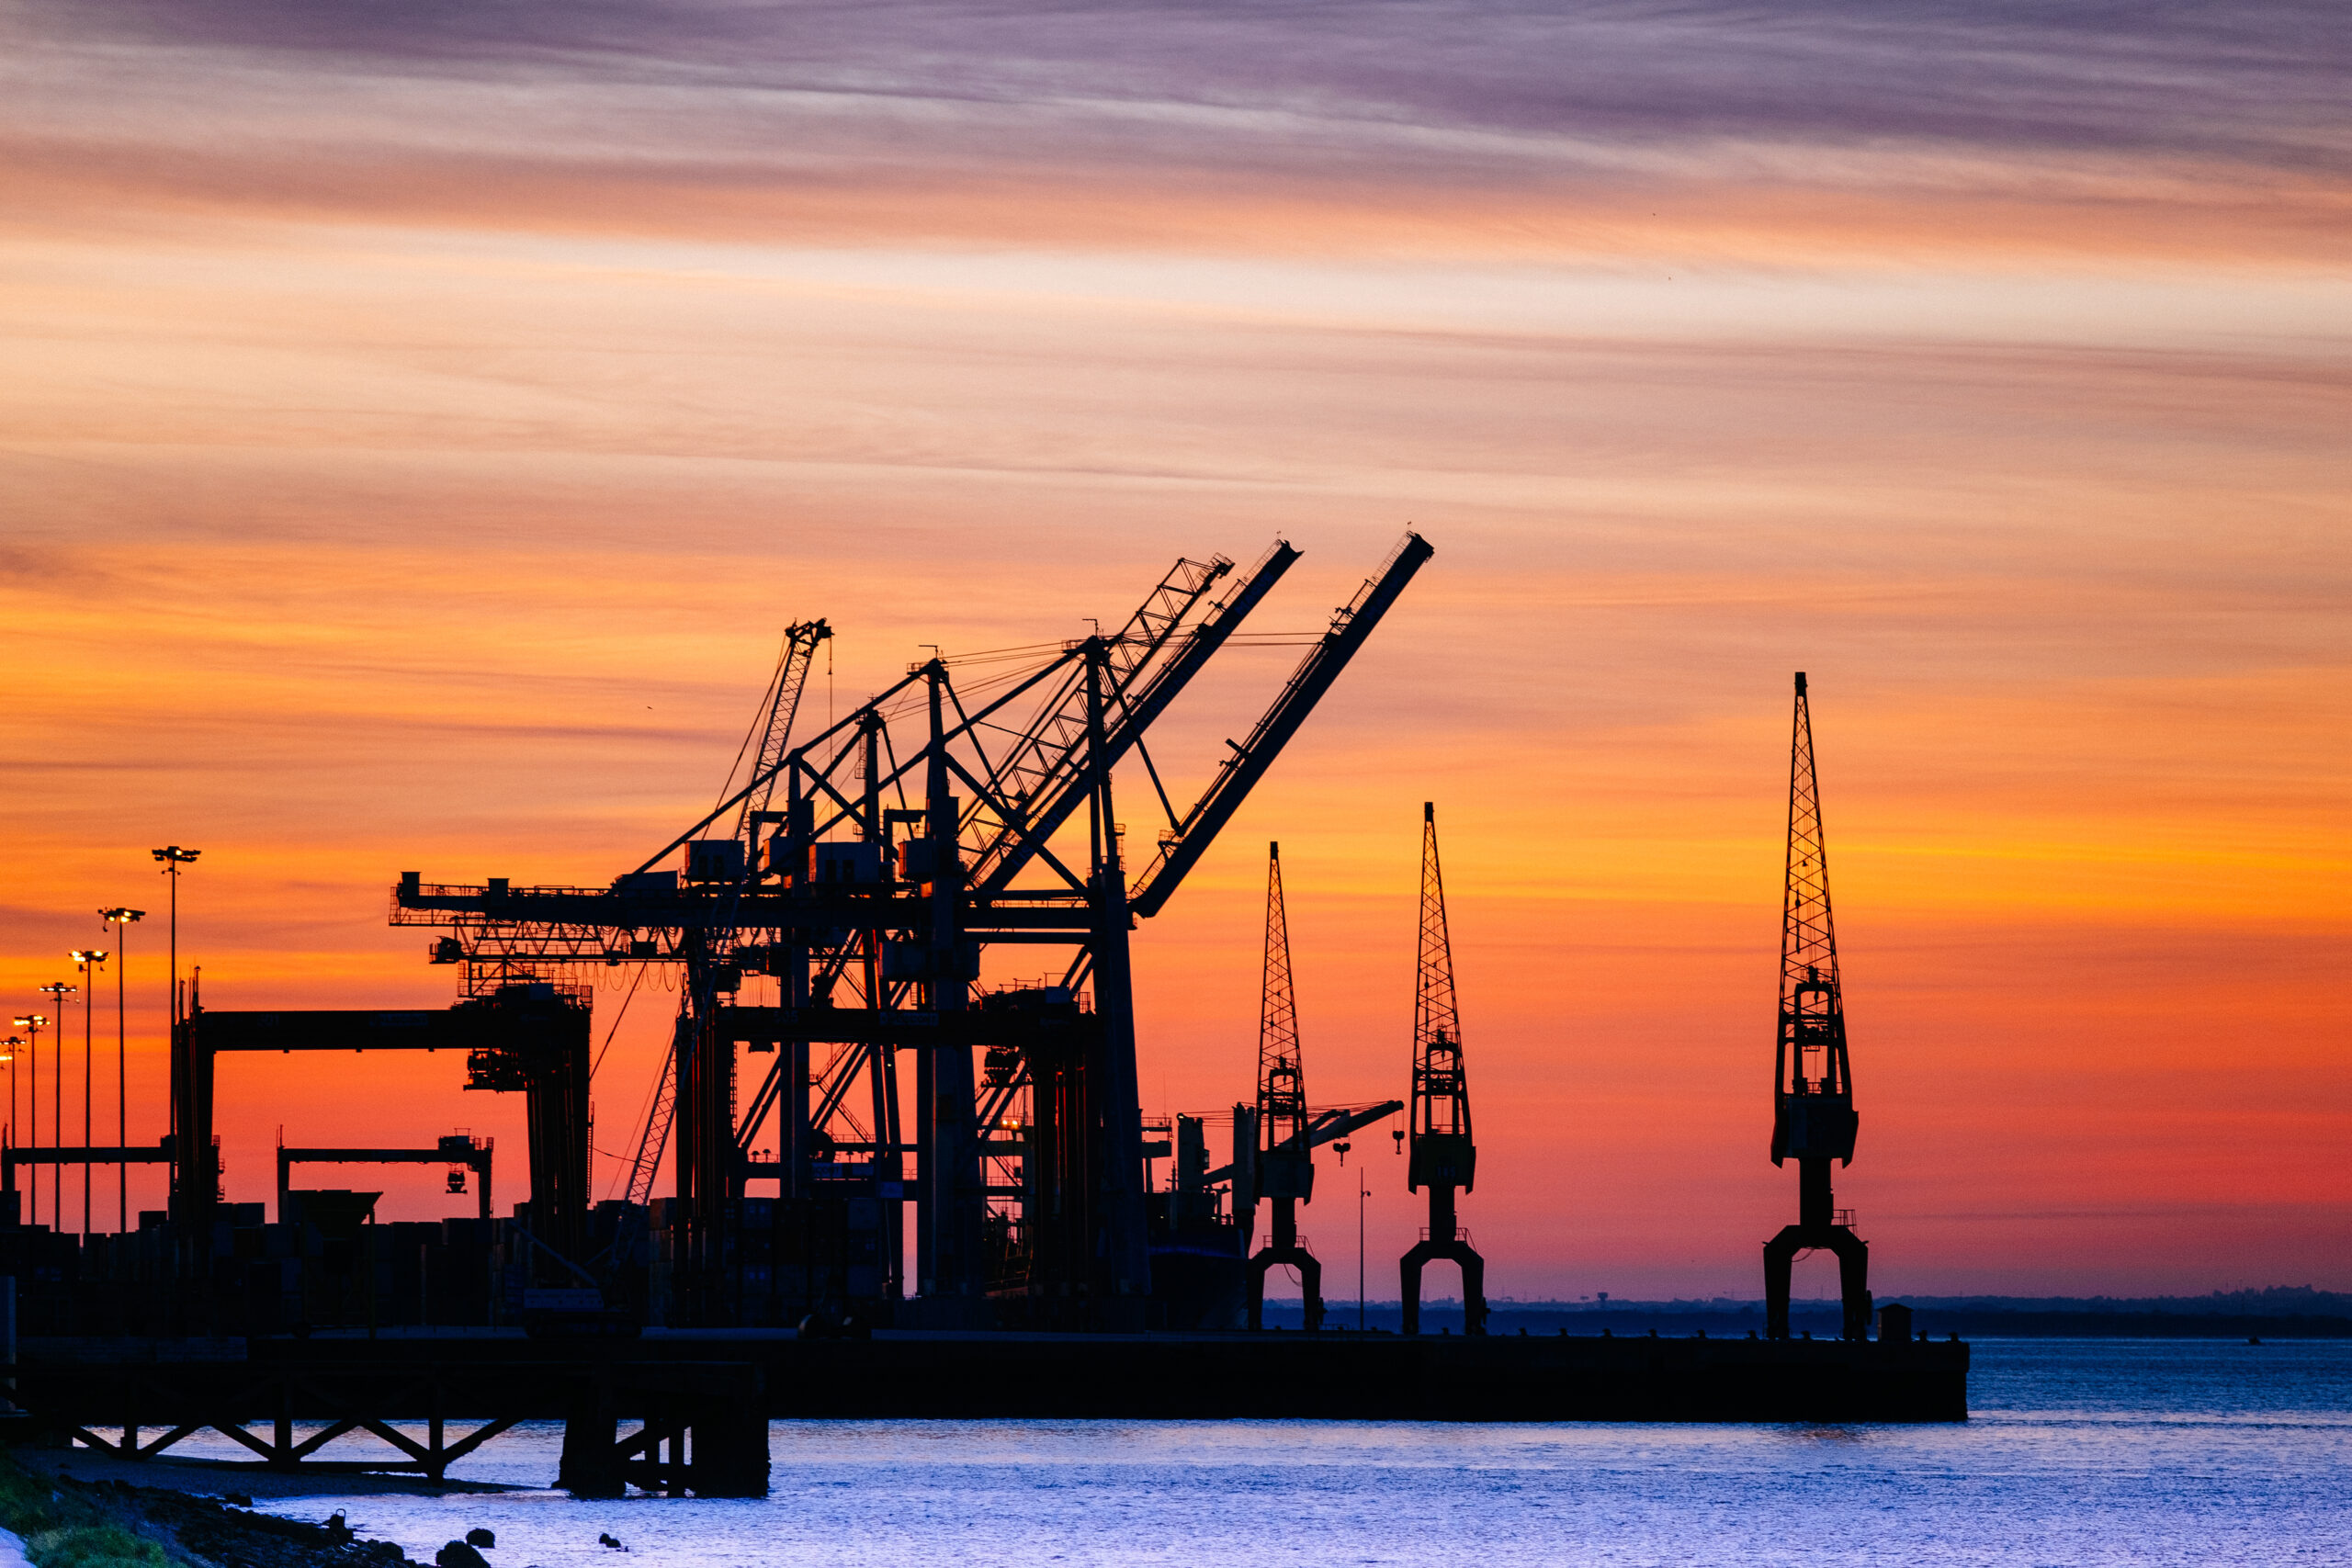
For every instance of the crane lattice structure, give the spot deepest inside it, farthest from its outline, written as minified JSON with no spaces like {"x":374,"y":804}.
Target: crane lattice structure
{"x":766,"y":743}
{"x":967,"y":810}
{"x":1443,"y":1156}
{"x":1286,"y":1174}
{"x":1813,"y":1120}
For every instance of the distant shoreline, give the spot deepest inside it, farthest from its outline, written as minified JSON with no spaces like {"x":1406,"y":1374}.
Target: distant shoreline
{"x":2299,"y":1315}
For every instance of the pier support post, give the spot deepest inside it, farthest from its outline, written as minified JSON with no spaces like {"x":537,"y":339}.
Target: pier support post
{"x":591,"y":1466}
{"x":704,"y":1430}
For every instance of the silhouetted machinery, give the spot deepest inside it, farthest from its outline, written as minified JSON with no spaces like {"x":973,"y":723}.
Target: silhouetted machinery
{"x":1441,"y":1154}
{"x":526,"y":1037}
{"x":1285,"y":1159}
{"x":457,"y":1151}
{"x":837,"y":920}
{"x":1813,"y":1120}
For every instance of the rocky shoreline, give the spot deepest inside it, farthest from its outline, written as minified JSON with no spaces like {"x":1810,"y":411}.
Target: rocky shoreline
{"x":105,"y":1520}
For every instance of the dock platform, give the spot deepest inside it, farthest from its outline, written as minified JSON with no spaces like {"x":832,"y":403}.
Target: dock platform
{"x":137,"y":1396}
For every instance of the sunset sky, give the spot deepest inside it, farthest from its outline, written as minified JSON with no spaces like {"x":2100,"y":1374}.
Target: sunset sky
{"x":418,"y":421}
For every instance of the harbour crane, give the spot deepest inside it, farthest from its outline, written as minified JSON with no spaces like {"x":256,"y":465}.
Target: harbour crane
{"x":1814,"y":1120}
{"x":1285,"y":1176}
{"x":968,"y":807}
{"x":1441,"y":1154}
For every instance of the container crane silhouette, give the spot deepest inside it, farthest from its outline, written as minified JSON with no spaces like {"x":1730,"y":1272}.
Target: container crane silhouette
{"x":967,"y":806}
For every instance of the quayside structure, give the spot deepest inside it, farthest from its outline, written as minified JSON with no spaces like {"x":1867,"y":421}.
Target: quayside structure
{"x":903,"y":944}
{"x":839,"y":1070}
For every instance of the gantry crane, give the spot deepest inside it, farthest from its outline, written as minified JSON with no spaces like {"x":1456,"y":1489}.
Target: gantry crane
{"x":1813,"y":1120}
{"x":1285,"y":1176}
{"x":968,"y":807}
{"x":1443,"y":1156}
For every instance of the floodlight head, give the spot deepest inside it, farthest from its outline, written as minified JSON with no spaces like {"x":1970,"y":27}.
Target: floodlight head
{"x":122,"y":917}
{"x":89,"y":955}
{"x":172,"y":854}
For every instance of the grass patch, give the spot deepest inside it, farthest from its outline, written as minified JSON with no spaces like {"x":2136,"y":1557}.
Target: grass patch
{"x":29,"y":1504}
{"x":94,"y":1546}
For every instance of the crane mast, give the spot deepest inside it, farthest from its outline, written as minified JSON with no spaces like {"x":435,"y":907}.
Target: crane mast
{"x":1813,"y":1120}
{"x":1441,"y":1155}
{"x":1285,"y":1159}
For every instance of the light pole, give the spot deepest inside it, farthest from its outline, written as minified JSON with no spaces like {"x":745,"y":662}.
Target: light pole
{"x":11,"y":1045}
{"x":91,"y":959}
{"x":58,"y":990}
{"x":121,"y":918}
{"x":174,"y":857}
{"x":8,"y":1049}
{"x":35,"y":1021}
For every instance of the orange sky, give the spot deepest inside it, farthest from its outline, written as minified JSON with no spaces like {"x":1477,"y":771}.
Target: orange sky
{"x":411,"y":449}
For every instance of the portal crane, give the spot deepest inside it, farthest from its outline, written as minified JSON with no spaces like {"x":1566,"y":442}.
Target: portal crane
{"x":1813,"y":1120}
{"x":1443,"y":1156}
{"x":1285,"y":1176}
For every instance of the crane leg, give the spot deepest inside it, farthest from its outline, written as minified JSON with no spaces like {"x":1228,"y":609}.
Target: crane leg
{"x":1779,"y":1256}
{"x":1310,"y":1282}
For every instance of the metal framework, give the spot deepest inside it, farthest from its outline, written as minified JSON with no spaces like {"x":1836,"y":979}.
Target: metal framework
{"x":1813,"y":1120}
{"x":1443,"y":1156}
{"x":968,"y":807}
{"x":1286,"y":1157}
{"x":459,"y":1152}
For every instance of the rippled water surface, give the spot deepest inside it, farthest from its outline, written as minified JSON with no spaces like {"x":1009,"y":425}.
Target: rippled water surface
{"x":2079,"y":1453}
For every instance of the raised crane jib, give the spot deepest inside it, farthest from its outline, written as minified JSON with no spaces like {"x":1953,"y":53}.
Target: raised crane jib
{"x":775,"y":726}
{"x":1049,"y":769}
{"x":1238,"y":773}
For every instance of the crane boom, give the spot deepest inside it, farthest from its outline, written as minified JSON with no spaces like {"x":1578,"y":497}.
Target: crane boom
{"x":1239,"y":773}
{"x":1139,"y":703}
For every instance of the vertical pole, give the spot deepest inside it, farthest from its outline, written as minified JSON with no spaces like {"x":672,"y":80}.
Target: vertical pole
{"x":57,"y":1118}
{"x":1129,"y":1257}
{"x":1362,"y":1193}
{"x":881,"y":1059}
{"x":89,"y":1059}
{"x":950,"y":1188}
{"x":172,"y":1008}
{"x":792,"y":1121}
{"x":32,"y":1126}
{"x":122,"y":1090}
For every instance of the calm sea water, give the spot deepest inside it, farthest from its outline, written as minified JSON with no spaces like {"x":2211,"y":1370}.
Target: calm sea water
{"x":2078,"y":1453}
